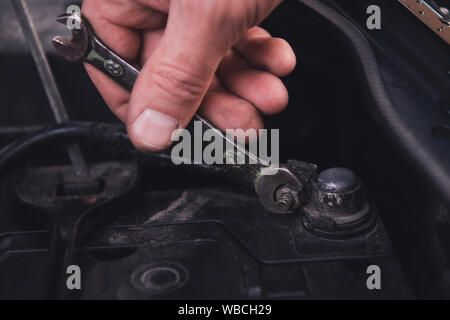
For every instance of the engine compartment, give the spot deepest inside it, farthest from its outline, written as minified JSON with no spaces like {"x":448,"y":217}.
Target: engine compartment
{"x":230,"y":247}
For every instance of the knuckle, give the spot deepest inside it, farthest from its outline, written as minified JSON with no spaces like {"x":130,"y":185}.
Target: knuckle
{"x":177,"y":82}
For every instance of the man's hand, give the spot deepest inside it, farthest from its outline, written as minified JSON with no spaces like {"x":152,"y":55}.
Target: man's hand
{"x":193,"y":53}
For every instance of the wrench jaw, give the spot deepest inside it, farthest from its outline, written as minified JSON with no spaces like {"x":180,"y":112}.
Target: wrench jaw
{"x":76,"y":48}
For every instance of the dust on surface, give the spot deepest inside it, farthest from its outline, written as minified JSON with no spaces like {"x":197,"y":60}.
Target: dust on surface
{"x":181,"y":209}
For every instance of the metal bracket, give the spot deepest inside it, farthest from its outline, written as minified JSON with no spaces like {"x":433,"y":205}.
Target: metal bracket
{"x":435,"y":17}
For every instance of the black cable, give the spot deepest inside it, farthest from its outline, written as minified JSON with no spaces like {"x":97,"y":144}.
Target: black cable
{"x":66,"y":132}
{"x":111,"y":138}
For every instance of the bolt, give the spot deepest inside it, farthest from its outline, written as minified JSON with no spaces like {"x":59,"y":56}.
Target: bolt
{"x":285,"y":198}
{"x":338,"y":206}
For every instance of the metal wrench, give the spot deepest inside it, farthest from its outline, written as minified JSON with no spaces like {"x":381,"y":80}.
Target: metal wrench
{"x":281,"y":192}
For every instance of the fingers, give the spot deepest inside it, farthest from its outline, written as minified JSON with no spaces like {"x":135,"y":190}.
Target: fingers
{"x":174,"y":80}
{"x":124,"y":41}
{"x":262,"y":89}
{"x":117,"y":26}
{"x":114,"y":95}
{"x":180,"y":66}
{"x":150,"y":41}
{"x":229,"y":111}
{"x":223,"y":108}
{"x":248,"y":87}
{"x":262,"y":51}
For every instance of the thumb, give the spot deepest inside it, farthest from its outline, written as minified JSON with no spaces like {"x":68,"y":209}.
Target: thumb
{"x":176,"y":77}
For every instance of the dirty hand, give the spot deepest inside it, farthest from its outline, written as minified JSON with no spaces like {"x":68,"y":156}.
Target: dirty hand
{"x":206,"y":54}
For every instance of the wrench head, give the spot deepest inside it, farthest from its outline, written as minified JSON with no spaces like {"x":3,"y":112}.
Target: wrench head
{"x":76,"y":48}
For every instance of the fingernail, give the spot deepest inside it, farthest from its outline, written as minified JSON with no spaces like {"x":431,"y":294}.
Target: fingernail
{"x":154,"y":129}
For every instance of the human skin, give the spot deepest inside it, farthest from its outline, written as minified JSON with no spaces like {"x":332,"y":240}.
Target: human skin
{"x":195,"y":55}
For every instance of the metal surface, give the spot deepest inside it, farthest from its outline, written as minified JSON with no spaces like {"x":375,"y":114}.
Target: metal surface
{"x":338,"y":180}
{"x":74,"y":212}
{"x":435,"y":17}
{"x":286,"y":190}
{"x":48,"y":80}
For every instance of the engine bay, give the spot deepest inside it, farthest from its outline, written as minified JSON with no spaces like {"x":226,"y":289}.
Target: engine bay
{"x":147,"y":229}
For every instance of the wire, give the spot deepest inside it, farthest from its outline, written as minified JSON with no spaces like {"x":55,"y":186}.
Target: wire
{"x":111,"y":138}
{"x":96,"y":132}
